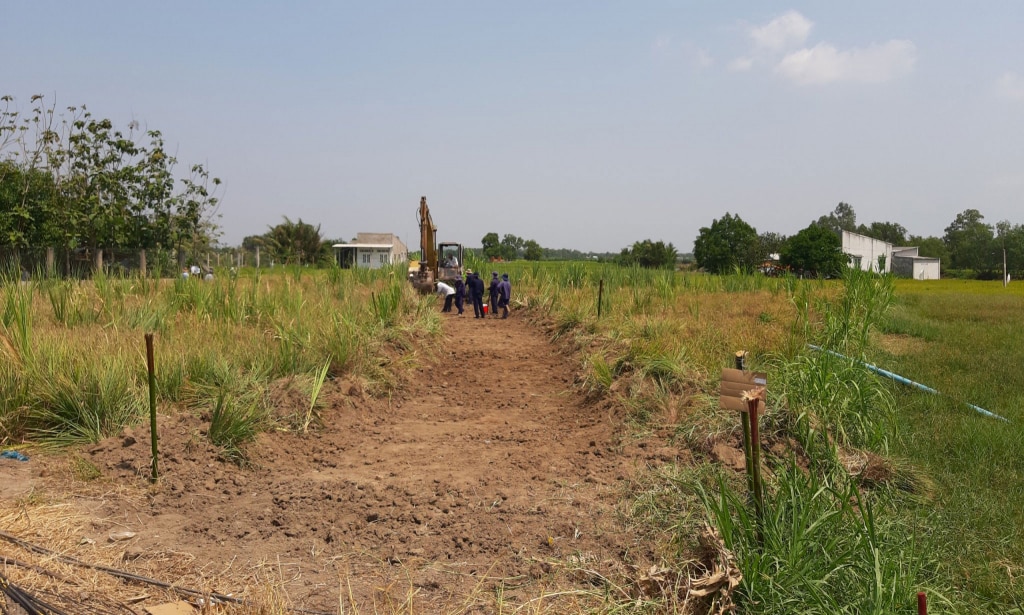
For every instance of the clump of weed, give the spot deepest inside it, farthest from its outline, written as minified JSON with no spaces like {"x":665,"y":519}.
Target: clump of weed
{"x":83,"y":469}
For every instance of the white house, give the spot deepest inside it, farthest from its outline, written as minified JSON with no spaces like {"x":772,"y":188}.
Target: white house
{"x":906,"y":263}
{"x":867,"y":253}
{"x":872,"y":254}
{"x":371,"y":251}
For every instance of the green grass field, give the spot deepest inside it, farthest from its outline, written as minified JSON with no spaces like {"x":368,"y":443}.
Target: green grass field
{"x":966,"y":339}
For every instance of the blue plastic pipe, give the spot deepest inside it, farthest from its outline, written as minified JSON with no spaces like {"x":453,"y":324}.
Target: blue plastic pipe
{"x":906,"y":381}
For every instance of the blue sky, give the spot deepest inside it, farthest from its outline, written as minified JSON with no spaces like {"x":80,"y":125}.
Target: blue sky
{"x":586,"y":125}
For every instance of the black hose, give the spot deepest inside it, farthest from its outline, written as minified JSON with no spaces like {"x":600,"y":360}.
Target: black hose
{"x":191,"y":593}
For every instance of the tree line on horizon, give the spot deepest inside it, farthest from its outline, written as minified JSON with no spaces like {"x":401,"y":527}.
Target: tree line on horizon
{"x":72,"y":181}
{"x":968,"y":248}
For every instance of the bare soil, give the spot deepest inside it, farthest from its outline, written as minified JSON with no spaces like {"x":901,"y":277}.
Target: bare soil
{"x":485,"y":474}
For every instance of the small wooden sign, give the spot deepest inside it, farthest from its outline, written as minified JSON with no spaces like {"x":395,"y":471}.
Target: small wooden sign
{"x":735,"y":383}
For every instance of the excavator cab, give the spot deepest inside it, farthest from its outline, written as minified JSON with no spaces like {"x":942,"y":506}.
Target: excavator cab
{"x":450,"y":264}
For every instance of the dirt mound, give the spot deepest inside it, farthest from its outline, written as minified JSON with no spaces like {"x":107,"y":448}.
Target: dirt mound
{"x":486,"y":470}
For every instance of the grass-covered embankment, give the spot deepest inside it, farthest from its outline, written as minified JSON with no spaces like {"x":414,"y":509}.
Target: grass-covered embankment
{"x":847,"y":527}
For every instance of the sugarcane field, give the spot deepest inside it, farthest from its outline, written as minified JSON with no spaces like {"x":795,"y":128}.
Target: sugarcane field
{"x":524,"y":310}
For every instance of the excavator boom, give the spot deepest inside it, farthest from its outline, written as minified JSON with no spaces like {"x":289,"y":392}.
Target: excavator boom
{"x":430,"y":269}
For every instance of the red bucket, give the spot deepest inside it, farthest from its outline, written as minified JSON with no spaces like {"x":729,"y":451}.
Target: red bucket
{"x":485,"y":309}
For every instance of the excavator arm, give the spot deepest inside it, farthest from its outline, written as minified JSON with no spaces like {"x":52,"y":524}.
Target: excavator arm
{"x":431,"y":269}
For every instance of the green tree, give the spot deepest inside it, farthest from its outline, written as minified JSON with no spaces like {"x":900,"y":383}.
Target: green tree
{"x":251,"y":242}
{"x":24,"y":198}
{"x":86,"y":183}
{"x":891,"y":232}
{"x":770,"y":243}
{"x":510,"y":247}
{"x":532,"y":250}
{"x":649,"y":254}
{"x":970,"y":242}
{"x":815,"y":250}
{"x":491,"y":246}
{"x":296,"y":243}
{"x":932,"y":247}
{"x":727,"y":244}
{"x":842,"y":218}
{"x":1010,"y":238}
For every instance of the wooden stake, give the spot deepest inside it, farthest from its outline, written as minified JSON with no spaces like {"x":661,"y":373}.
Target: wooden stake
{"x":755,"y":457}
{"x":600,"y":295}
{"x":152,"y":404}
{"x":741,"y":356}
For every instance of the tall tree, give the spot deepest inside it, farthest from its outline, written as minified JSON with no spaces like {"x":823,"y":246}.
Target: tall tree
{"x":510,"y":247}
{"x":815,"y":250}
{"x":727,"y":244}
{"x":86,"y":183}
{"x":842,"y":218}
{"x":970,"y":242}
{"x":491,"y":246}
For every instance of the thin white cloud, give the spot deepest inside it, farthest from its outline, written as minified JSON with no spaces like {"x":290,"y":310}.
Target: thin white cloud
{"x":741,"y":64}
{"x":823,"y":63}
{"x":1011,"y":86}
{"x":784,"y":32}
{"x":702,"y":59}
{"x":697,"y":57}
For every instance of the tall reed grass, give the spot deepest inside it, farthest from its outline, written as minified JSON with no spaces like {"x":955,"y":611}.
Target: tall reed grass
{"x":72,"y":366}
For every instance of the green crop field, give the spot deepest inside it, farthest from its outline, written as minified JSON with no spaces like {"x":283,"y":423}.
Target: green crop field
{"x":965,"y":339}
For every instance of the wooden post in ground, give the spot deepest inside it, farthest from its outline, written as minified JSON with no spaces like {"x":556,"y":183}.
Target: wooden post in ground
{"x":741,"y":357}
{"x":600,"y":296}
{"x":49,"y":262}
{"x":755,"y":456}
{"x":99,"y":261}
{"x":152,"y":404}
{"x":142,"y":263}
{"x":257,"y":257}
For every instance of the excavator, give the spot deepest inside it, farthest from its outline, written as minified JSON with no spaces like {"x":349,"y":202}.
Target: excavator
{"x":438,"y":262}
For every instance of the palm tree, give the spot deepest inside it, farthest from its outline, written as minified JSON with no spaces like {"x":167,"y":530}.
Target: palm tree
{"x":294,"y":242}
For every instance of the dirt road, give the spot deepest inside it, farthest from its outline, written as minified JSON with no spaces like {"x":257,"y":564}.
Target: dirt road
{"x":485,"y":471}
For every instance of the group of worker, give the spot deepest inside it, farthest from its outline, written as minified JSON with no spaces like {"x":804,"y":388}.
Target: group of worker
{"x":472,"y":288}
